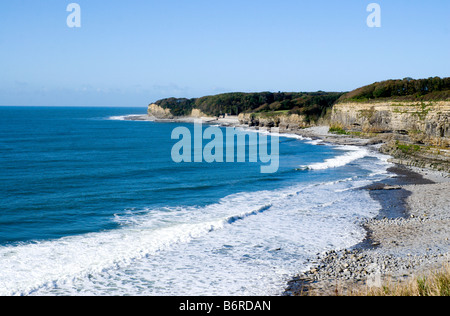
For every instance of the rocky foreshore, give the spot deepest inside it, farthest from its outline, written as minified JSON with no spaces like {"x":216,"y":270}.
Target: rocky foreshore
{"x":409,"y":238}
{"x":408,"y":244}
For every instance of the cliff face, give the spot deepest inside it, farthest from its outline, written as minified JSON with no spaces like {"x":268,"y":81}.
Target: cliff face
{"x":415,"y":133}
{"x":283,"y":121}
{"x":197,"y":113}
{"x":158,"y":112}
{"x":423,"y":122}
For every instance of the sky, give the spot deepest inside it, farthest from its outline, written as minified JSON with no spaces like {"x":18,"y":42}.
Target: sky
{"x":134,"y":52}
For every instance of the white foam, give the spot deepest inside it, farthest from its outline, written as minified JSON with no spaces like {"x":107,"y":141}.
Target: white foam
{"x":131,"y":117}
{"x":248,"y":243}
{"x":118,"y":118}
{"x":315,"y":142}
{"x":273,"y":133}
{"x":353,"y":153}
{"x":184,"y":251}
{"x":26,"y":268}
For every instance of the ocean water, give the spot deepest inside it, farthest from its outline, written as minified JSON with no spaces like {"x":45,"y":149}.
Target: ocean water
{"x":92,"y":204}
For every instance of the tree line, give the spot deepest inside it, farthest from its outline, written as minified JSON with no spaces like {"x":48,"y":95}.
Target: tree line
{"x":408,"y":89}
{"x":311,"y":104}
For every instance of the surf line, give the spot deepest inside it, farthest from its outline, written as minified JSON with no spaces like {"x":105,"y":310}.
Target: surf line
{"x":190,"y":148}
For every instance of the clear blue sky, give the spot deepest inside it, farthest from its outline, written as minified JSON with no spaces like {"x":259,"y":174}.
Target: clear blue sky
{"x":130,"y":53}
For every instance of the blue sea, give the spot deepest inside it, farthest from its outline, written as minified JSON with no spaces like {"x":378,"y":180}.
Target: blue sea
{"x":92,"y":204}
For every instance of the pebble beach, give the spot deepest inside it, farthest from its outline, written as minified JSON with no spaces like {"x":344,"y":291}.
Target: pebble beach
{"x":409,"y":239}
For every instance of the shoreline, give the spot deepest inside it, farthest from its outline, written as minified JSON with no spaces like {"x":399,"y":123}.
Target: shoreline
{"x":226,"y":122}
{"x":408,"y":238}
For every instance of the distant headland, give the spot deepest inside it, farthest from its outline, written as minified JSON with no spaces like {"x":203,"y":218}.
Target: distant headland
{"x":411,"y":118}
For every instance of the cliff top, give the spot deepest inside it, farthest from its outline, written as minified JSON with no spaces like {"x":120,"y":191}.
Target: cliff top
{"x":408,"y":89}
{"x":310,"y":104}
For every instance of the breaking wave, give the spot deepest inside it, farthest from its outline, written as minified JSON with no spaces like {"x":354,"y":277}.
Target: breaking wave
{"x":353,"y":153}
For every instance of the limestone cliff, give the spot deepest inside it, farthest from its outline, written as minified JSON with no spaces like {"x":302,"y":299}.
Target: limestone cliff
{"x":423,"y":122}
{"x":196,"y":113}
{"x":288,"y":122}
{"x":416,"y":133}
{"x":156,"y":111}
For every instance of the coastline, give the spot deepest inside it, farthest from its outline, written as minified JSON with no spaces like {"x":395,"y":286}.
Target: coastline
{"x":408,"y":238}
{"x":227,"y":121}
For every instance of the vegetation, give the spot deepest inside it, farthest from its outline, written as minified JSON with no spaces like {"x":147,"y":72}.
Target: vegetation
{"x":408,"y":89}
{"x":408,"y":149}
{"x":338,"y":130}
{"x":434,"y":284}
{"x":313,"y":104}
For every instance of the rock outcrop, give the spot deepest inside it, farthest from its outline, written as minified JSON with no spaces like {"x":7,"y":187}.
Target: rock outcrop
{"x":415,"y":133}
{"x":198,"y":114}
{"x":156,"y":111}
{"x":288,"y":122}
{"x":426,"y":123}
